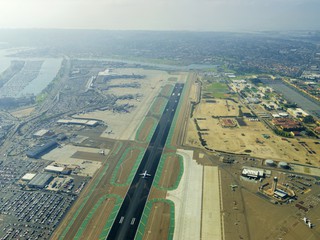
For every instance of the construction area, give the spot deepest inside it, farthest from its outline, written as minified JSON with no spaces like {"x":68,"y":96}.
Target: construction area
{"x":220,"y":126}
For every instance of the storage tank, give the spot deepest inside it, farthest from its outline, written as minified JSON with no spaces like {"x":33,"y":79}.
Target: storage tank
{"x":269,"y":162}
{"x":283,"y":165}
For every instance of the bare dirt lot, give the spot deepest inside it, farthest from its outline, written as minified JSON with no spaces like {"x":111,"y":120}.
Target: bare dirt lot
{"x":158,"y":105}
{"x":23,"y":112}
{"x":126,"y":166}
{"x":246,"y":139}
{"x":146,"y":128}
{"x":166,"y":90}
{"x":170,"y":171}
{"x":98,"y":220}
{"x":158,"y":222}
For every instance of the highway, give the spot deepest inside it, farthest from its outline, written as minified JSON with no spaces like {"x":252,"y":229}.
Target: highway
{"x":129,"y":215}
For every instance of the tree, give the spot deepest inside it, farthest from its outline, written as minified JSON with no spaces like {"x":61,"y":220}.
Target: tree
{"x":309,"y":119}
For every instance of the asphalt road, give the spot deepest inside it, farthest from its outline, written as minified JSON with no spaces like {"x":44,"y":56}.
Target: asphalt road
{"x":129,"y":215}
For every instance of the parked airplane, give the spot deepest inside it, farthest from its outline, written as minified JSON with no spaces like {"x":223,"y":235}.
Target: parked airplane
{"x":145,"y":174}
{"x":305,"y":220}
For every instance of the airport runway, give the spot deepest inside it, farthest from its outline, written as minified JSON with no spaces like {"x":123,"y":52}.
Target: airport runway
{"x":129,"y":215}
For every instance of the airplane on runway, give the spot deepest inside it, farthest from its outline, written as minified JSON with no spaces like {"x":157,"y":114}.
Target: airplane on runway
{"x":145,"y":174}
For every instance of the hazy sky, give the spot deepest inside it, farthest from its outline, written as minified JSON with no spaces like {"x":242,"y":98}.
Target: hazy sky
{"x":199,"y":15}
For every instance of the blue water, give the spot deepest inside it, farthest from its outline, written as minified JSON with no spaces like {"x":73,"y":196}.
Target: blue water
{"x":4,"y":61}
{"x":47,"y":73}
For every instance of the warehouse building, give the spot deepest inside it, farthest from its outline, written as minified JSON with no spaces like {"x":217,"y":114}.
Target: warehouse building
{"x":81,"y":122}
{"x":40,"y":180}
{"x":254,"y":173}
{"x":39,"y":151}
{"x":28,"y":177}
{"x":43,"y":133}
{"x":54,"y":169}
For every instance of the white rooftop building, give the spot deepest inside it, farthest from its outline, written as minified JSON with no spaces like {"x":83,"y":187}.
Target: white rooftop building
{"x":252,"y":172}
{"x":28,"y":176}
{"x":41,"y":133}
{"x":54,"y":169}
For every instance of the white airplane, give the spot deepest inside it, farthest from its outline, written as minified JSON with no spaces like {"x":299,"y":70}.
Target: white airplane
{"x":305,"y":220}
{"x":145,"y":174}
{"x":102,"y":152}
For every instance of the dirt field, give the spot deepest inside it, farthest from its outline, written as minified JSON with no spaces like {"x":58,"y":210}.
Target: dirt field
{"x":166,"y":90}
{"x":148,"y":124}
{"x":158,"y":105}
{"x":170,"y":172}
{"x":22,"y":113}
{"x":126,"y":166}
{"x":217,"y":109}
{"x":247,"y":139}
{"x":98,"y":220}
{"x":158,"y":222}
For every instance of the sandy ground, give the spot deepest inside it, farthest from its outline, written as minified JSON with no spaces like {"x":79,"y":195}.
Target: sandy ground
{"x":148,"y":124}
{"x":306,"y":170}
{"x":217,"y":109}
{"x":187,"y":199}
{"x":157,"y":227}
{"x":247,"y":139}
{"x":211,"y":222}
{"x":124,"y":125}
{"x":98,"y":220}
{"x":194,"y":92}
{"x":169,"y":174}
{"x":64,"y":155}
{"x":23,"y":113}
